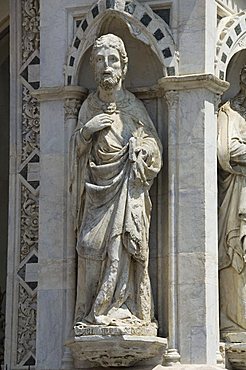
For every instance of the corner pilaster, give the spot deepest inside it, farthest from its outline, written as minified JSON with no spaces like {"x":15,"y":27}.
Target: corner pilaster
{"x":193,"y":260}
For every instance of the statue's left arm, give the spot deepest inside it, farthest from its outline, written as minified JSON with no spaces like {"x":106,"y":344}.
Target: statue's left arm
{"x":145,"y":149}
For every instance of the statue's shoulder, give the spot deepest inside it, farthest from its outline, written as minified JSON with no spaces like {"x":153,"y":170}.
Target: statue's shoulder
{"x":226,"y":107}
{"x":132,"y":98}
{"x":226,"y":112}
{"x":134,"y":103}
{"x":89,"y":106}
{"x":90,"y":98}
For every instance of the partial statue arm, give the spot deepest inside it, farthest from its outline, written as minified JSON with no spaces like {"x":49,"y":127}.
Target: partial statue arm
{"x":145,"y":154}
{"x":95,"y":124}
{"x":145,"y":149}
{"x":231,"y":146}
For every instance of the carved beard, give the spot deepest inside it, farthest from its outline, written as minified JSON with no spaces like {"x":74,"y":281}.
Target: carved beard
{"x":108,"y":81}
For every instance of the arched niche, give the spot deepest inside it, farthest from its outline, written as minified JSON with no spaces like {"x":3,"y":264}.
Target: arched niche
{"x":143,"y":24}
{"x":231,"y":40}
{"x":233,"y":74}
{"x":144,"y":67}
{"x":147,"y":65}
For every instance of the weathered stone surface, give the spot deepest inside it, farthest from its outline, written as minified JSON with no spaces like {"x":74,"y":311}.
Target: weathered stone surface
{"x":123,"y":350}
{"x":115,"y":156}
{"x":234,"y":337}
{"x":232,"y":211}
{"x":149,"y":330}
{"x":236,"y":355}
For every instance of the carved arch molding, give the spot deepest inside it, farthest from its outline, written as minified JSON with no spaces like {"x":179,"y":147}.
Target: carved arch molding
{"x":231,"y":39}
{"x":143,"y":24}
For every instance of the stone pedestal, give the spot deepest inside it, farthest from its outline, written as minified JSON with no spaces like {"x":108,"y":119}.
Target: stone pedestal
{"x":234,"y":337}
{"x":235,"y":349}
{"x":236,"y":356}
{"x":82,"y":330}
{"x":116,"y":351}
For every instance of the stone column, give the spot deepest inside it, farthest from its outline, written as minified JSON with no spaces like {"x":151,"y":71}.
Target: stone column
{"x":71,"y":107}
{"x":172,"y":356}
{"x":193,"y":262}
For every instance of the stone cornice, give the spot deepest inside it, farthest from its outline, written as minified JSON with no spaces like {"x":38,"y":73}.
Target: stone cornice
{"x":60,"y":93}
{"x":80,"y":93}
{"x":171,"y":83}
{"x":195,"y":81}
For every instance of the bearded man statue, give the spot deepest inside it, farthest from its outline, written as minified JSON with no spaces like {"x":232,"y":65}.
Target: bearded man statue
{"x":115,"y":156}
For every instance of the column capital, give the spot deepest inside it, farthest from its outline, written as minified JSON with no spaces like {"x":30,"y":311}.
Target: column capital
{"x":194,"y":81}
{"x":172,"y":98}
{"x":72,"y":107}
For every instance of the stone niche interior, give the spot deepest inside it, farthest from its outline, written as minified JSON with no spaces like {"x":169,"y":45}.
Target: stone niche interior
{"x":144,"y":71}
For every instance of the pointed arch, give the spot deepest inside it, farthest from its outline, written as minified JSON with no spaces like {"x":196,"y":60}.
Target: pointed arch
{"x":143,"y":24}
{"x":231,"y":39}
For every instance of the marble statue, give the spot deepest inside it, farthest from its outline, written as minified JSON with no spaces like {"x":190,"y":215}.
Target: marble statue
{"x":232,"y":211}
{"x":115,"y":156}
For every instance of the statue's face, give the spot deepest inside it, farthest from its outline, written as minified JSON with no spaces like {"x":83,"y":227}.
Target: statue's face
{"x":108,"y":69}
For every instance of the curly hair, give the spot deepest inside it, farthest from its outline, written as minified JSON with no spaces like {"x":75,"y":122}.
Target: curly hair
{"x":113,"y":41}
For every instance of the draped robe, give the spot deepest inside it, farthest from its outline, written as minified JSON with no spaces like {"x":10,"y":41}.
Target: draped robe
{"x":110,"y":185}
{"x":232,"y":217}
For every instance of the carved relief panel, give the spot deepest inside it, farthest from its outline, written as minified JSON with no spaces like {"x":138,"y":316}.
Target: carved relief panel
{"x":24,"y":190}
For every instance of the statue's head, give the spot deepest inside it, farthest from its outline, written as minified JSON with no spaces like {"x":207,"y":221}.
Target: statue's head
{"x":109,"y":60}
{"x":243,"y":77}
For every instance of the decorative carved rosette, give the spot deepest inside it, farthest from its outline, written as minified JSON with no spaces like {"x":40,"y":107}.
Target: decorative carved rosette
{"x":30,"y":124}
{"x":29,"y":222}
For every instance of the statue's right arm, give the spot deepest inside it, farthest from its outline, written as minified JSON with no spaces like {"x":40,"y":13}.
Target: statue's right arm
{"x":95,"y":124}
{"x":81,"y":144}
{"x":85,"y":131}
